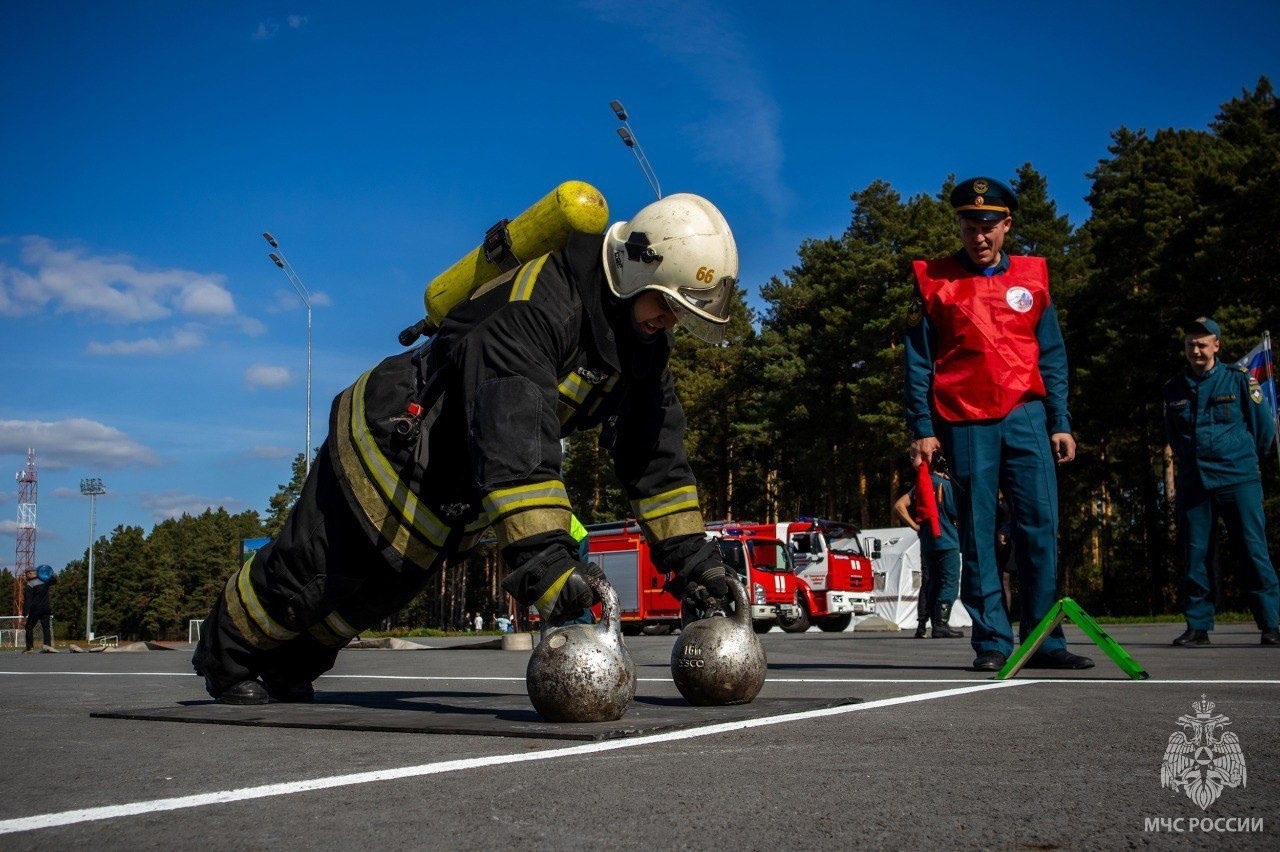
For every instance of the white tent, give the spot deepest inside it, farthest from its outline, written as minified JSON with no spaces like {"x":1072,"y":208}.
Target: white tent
{"x":897,"y":574}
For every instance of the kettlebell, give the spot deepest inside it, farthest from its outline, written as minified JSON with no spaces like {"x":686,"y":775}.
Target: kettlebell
{"x":583,"y":672}
{"x":718,"y":660}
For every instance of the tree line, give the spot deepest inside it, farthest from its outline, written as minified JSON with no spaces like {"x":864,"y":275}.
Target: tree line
{"x":801,"y":413}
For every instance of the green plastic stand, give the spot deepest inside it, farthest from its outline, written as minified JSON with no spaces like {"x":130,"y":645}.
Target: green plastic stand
{"x":1067,"y":609}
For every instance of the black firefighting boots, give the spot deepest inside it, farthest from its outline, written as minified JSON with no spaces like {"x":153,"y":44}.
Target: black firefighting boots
{"x":942,"y":630}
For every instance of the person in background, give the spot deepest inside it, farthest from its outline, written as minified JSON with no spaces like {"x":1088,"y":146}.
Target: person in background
{"x":939,"y":547}
{"x":36,"y":607}
{"x":1219,"y":430}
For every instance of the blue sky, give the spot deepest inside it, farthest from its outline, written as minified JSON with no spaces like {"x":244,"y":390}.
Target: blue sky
{"x":149,"y":341}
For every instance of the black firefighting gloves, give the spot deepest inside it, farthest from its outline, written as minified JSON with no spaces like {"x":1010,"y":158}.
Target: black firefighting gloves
{"x":552,"y":579}
{"x":703,"y":578}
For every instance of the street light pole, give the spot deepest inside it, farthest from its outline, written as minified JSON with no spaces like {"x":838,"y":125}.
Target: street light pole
{"x":92,"y":488}
{"x":278,"y":258}
{"x":628,"y":136}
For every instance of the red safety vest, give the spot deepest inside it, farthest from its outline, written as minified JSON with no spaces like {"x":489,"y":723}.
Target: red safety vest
{"x":988,"y":358}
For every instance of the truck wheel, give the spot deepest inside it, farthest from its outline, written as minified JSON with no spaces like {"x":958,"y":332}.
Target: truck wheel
{"x":836,"y":623}
{"x":762,"y":625}
{"x":630,"y":628}
{"x":800,"y":623}
{"x":656,"y":630}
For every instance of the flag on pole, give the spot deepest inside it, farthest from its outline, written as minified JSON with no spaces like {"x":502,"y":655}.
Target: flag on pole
{"x":1258,"y":362}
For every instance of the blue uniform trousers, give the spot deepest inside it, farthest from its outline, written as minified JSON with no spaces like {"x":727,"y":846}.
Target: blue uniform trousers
{"x":1013,"y":455}
{"x":1240,"y":506}
{"x":939,"y":580}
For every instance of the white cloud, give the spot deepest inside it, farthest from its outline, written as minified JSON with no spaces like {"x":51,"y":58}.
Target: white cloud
{"x":287,"y":300}
{"x":182,"y":340}
{"x":44,"y":535}
{"x":74,"y":443}
{"x":252,"y":326}
{"x":265,"y":31}
{"x":204,"y":298}
{"x":741,"y":131}
{"x":272,"y":453}
{"x":261,"y":376}
{"x":297,"y":21}
{"x":175,"y":504}
{"x":112,"y":288}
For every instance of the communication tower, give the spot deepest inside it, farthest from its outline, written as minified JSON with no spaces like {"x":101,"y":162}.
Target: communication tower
{"x":26,"y":552}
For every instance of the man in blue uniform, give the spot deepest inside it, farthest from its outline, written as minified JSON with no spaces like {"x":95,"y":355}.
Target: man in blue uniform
{"x":939,"y":551}
{"x":1220,"y":431}
{"x":986,"y":382}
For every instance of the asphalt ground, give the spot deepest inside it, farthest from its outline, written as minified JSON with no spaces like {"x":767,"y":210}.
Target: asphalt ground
{"x":933,"y":756}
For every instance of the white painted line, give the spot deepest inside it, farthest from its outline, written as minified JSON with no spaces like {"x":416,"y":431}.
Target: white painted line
{"x":907,"y":681}
{"x":40,"y":821}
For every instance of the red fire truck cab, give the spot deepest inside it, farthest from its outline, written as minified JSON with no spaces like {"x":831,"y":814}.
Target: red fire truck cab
{"x":830,"y":558}
{"x":763,"y":564}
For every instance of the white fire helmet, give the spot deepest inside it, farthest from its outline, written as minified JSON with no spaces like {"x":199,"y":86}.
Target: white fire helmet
{"x":682,"y":247}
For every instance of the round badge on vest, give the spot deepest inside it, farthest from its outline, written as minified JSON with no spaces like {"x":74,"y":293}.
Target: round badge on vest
{"x":1020,"y":299}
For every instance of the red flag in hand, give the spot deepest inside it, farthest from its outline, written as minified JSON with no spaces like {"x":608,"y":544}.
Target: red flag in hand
{"x":926,"y":504}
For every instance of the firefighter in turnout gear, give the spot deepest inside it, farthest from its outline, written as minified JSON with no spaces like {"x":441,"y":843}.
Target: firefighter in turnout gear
{"x":435,"y":445}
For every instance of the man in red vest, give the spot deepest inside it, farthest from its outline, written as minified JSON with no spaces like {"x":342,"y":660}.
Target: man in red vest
{"x":986,"y":376}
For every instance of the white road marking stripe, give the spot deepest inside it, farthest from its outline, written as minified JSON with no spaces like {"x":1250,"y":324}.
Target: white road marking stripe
{"x":1094,"y":680}
{"x":54,"y":820}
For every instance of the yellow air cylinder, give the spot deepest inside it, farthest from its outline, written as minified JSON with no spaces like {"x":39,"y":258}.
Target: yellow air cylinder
{"x":544,"y":227}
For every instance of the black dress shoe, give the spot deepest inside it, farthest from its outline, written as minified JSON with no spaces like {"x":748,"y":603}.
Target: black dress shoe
{"x":289,"y":691}
{"x":1192,"y":638}
{"x":989,"y":661}
{"x":1271,"y":637}
{"x":1059,"y":659}
{"x":246,"y":692}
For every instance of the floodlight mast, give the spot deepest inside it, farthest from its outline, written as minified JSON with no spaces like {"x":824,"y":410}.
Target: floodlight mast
{"x":91,"y":488}
{"x":628,"y":136}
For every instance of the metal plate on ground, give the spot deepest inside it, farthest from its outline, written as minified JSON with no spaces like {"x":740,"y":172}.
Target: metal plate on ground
{"x":468,"y":713}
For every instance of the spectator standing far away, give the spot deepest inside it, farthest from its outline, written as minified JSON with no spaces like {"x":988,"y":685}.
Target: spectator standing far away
{"x":1220,"y":430}
{"x":36,"y":607}
{"x":939,"y":548}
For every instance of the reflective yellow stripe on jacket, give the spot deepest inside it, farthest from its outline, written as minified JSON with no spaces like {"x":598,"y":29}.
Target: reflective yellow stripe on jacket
{"x":527,"y":510}
{"x":670,"y":514}
{"x":522,"y":289}
{"x":412,"y":529}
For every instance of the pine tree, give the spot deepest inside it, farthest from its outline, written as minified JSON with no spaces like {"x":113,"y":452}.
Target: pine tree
{"x":284,"y":498}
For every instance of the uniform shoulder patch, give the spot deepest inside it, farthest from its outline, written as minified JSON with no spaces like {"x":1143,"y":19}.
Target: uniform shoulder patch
{"x":1255,"y":390}
{"x":915,"y":312}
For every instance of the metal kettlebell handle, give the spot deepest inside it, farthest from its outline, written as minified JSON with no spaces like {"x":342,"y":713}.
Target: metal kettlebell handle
{"x":609,"y":622}
{"x":689,"y":612}
{"x":742,"y":615}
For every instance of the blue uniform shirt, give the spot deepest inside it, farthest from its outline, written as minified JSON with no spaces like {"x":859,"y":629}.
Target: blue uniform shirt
{"x":950,"y":536}
{"x":922,"y":341}
{"x":1218,"y":426}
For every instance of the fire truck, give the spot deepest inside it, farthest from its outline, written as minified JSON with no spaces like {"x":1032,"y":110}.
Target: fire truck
{"x":763,"y":565}
{"x":831,"y":559}
{"x":775,"y":590}
{"x":621,"y":551}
